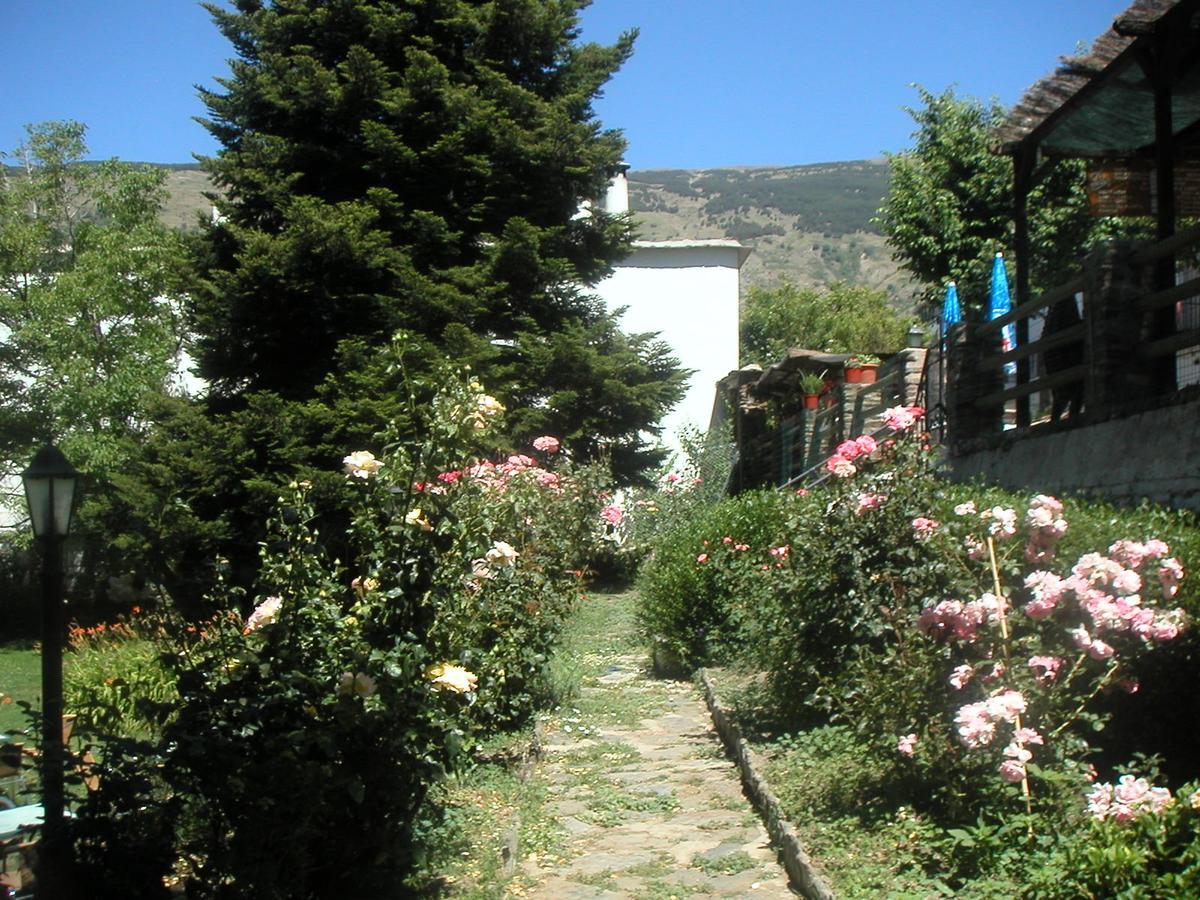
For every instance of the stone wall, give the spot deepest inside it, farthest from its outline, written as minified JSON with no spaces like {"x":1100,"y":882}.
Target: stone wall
{"x":1149,"y":455}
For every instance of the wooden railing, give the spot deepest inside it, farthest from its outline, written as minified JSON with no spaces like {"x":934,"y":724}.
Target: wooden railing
{"x":817,"y":433}
{"x":1125,"y":349}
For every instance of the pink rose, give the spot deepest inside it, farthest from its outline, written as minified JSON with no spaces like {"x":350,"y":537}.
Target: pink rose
{"x":848,"y":450}
{"x":612,"y":514}
{"x":546,"y":444}
{"x":906,"y":745}
{"x":923,"y":527}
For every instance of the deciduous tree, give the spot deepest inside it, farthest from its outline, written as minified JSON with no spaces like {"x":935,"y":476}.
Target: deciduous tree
{"x":950,"y":205}
{"x":841,"y":318}
{"x":90,"y":286}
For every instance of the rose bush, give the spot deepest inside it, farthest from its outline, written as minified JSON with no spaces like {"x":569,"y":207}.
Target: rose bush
{"x":313,"y":717}
{"x":975,"y":642}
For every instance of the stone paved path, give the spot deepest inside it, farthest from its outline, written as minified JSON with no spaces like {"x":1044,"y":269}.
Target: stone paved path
{"x":654,"y":810}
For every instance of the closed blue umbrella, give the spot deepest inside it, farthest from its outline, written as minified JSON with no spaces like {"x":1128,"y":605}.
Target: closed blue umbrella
{"x":999,"y":304}
{"x":951,"y":310}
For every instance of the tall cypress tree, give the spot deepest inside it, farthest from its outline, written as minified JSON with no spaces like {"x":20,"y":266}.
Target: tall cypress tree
{"x":418,"y":165}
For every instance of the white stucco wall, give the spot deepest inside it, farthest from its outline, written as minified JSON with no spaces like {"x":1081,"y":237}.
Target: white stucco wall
{"x":688,"y":292}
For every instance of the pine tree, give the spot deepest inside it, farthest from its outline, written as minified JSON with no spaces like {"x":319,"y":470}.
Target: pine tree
{"x":418,"y":165}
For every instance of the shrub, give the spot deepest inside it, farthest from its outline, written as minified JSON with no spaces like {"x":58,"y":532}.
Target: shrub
{"x":307,"y":734}
{"x":114,"y":680}
{"x":974,"y":641}
{"x":1152,"y":855}
{"x":693,"y":588}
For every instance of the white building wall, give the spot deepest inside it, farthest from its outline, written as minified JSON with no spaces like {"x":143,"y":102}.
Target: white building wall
{"x":688,"y":292}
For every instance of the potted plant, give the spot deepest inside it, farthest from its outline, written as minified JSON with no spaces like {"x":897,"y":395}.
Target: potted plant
{"x":861,"y":368}
{"x":811,"y":386}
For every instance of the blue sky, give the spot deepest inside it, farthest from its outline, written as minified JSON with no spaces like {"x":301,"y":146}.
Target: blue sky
{"x":712,"y":82}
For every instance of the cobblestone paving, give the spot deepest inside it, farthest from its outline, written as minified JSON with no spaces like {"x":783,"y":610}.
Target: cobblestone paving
{"x":653,"y":808}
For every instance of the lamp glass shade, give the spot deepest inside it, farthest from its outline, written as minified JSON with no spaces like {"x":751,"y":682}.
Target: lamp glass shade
{"x":50,"y":492}
{"x":915,"y":337}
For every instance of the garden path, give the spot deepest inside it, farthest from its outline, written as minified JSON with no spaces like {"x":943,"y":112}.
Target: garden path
{"x":638,"y":779}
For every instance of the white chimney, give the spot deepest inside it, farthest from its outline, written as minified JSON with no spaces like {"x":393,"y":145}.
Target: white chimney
{"x":616,"y":200}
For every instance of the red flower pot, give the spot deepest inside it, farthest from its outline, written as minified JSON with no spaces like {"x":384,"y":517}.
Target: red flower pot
{"x":811,"y":401}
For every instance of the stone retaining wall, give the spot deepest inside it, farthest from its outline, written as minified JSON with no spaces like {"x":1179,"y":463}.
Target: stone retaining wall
{"x":1149,"y":456}
{"x":795,"y":859}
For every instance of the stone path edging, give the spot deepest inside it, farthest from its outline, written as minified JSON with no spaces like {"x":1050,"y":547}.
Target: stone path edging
{"x":795,"y":859}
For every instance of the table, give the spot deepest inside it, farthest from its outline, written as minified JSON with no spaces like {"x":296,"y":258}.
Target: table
{"x":13,"y":821}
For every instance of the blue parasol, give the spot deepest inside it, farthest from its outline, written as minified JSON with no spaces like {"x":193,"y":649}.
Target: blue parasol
{"x":951,"y":310}
{"x":999,"y":304}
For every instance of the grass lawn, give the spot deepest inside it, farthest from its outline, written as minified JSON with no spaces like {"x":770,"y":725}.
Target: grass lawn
{"x":20,"y":679}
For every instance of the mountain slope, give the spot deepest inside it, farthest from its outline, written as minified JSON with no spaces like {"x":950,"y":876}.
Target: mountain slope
{"x":811,"y":224}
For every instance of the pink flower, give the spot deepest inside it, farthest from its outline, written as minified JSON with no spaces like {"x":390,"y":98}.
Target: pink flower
{"x":612,"y":514}
{"x":1006,"y":705}
{"x":780,"y":553}
{"x":840,"y":466}
{"x":1170,"y":573}
{"x":906,"y":745}
{"x":975,"y":548}
{"x":1027,"y":736}
{"x":975,"y":726}
{"x":869,"y":501}
{"x":1128,"y":553}
{"x":848,"y":450}
{"x":996,"y":673}
{"x":1156,"y":549}
{"x":546,"y":444}
{"x":727,"y":540}
{"x":741,"y":547}
{"x":702,"y":558}
{"x":1012,"y":771}
{"x":802,"y":492}
{"x":264,"y":614}
{"x":866,"y":444}
{"x":1047,"y":589}
{"x":923,"y":527}
{"x":901,"y":418}
{"x":1127,"y":800}
{"x":965,"y":509}
{"x":1003,"y":521}
{"x":1164,"y":630}
{"x":450,"y":477}
{"x":960,"y":676}
{"x":672,"y":478}
{"x":1049,"y":666}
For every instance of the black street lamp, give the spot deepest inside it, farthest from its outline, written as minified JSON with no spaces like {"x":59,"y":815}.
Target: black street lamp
{"x":50,"y":483}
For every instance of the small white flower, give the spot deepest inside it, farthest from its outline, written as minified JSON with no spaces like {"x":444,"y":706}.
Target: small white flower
{"x":501,"y":554}
{"x":361,"y":464}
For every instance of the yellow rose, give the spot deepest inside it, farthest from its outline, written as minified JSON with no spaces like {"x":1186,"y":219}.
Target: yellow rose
{"x":446,"y":676}
{"x":415,"y":517}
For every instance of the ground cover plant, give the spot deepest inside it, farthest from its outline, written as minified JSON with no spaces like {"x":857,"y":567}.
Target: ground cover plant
{"x":987,"y":661}
{"x":314,"y":715}
{"x":20,"y":679}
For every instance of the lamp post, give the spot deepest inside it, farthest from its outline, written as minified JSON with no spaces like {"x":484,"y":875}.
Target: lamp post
{"x":50,"y":483}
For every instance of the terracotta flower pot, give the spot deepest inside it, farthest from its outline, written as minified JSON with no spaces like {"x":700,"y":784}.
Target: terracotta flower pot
{"x":854,"y":375}
{"x":867,"y":375}
{"x":811,"y":401}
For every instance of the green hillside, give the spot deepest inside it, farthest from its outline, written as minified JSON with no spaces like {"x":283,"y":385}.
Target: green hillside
{"x":811,"y":224}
